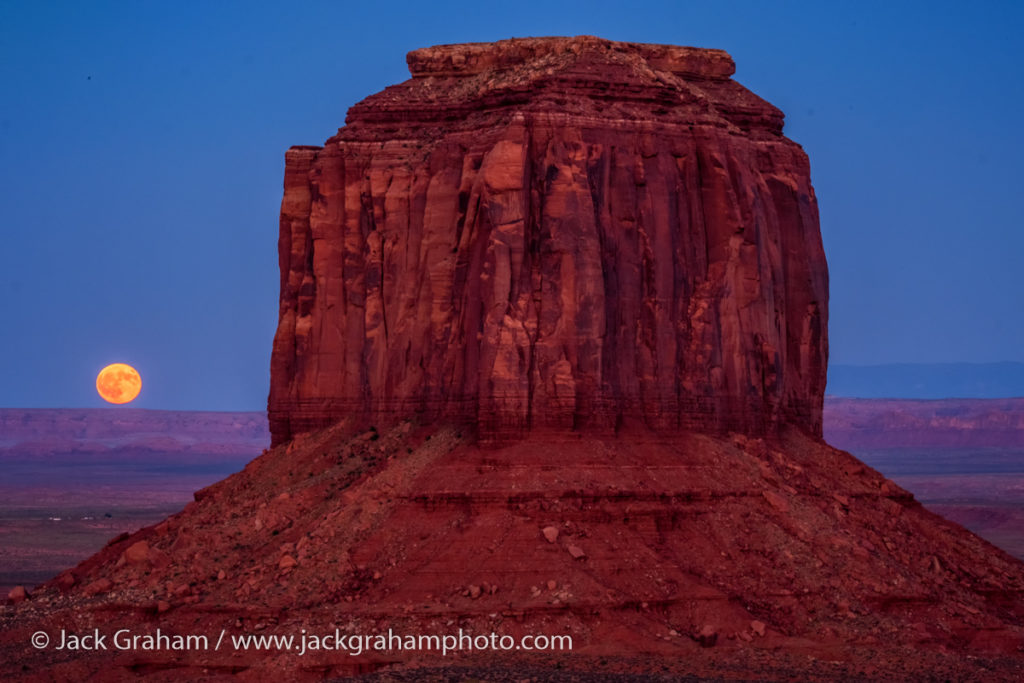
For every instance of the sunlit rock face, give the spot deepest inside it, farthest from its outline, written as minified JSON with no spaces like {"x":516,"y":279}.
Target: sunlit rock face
{"x":566,"y":233}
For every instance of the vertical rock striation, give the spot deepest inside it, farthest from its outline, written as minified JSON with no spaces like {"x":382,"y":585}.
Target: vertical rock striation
{"x":565,"y":233}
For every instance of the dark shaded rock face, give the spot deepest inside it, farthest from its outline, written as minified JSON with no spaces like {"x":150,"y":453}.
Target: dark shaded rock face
{"x":566,"y":233}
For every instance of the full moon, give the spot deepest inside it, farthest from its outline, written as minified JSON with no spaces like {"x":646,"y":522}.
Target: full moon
{"x":118,"y":383}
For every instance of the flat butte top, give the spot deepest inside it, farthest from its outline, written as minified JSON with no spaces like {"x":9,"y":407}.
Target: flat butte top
{"x":465,"y":86}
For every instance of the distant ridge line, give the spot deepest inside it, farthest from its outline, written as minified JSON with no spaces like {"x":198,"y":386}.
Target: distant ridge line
{"x":927,"y":380}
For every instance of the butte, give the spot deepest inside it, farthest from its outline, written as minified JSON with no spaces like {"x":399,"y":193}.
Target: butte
{"x":551,"y":360}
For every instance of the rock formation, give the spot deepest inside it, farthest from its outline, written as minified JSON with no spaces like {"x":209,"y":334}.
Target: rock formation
{"x":599,"y":257}
{"x":553,"y":232}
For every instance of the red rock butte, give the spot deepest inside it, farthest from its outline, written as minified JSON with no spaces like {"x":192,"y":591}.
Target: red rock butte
{"x":568,"y":233}
{"x":596,"y":257}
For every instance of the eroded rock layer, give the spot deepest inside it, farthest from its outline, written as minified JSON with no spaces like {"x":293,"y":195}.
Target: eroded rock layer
{"x":556,"y":233}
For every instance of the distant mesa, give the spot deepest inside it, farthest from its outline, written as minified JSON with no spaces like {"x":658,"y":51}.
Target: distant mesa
{"x":858,"y":423}
{"x":928,"y":380}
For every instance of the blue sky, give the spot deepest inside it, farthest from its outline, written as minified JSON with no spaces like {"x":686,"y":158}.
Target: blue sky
{"x":142,"y":143}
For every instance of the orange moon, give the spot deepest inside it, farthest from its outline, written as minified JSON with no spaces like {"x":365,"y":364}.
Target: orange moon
{"x":118,"y":383}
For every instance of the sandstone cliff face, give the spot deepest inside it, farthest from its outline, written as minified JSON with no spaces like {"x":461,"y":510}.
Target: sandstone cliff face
{"x":553,"y":233}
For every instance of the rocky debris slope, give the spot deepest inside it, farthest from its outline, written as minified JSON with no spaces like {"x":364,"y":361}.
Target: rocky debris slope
{"x":636,"y":544}
{"x":553,"y":232}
